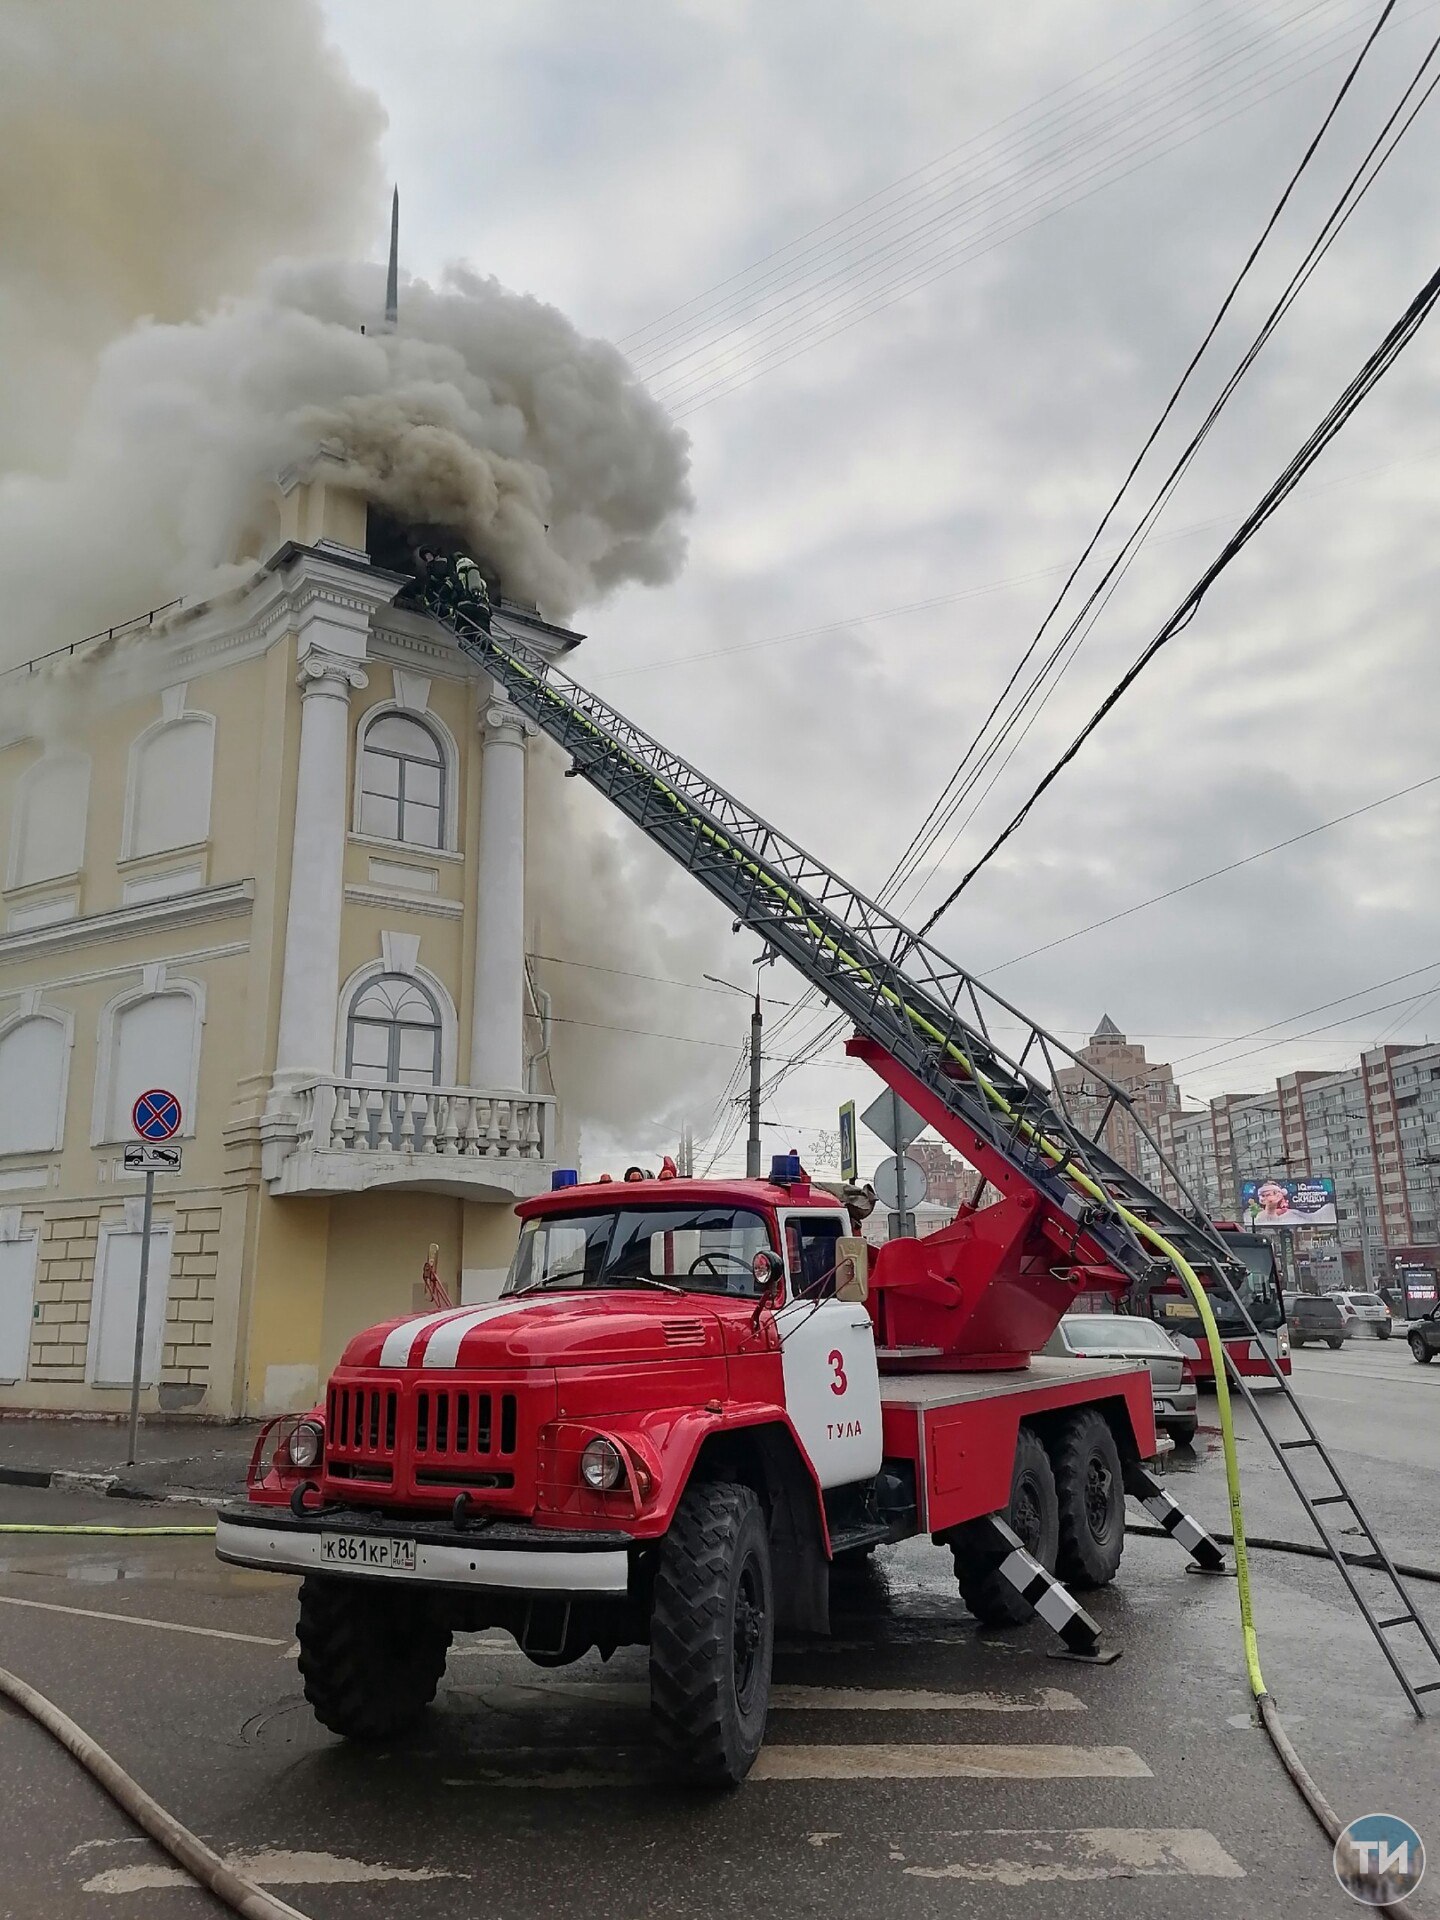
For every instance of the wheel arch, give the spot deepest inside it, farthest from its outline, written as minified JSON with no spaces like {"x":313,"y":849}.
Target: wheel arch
{"x":768,"y":1458}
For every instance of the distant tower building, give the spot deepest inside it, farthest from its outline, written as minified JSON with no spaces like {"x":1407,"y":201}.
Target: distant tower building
{"x":1149,"y":1084}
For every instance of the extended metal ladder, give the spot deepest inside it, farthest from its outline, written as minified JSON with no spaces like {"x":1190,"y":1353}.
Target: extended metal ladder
{"x":974,"y":1052}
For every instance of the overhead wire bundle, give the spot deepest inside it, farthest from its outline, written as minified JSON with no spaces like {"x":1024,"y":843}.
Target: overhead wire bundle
{"x":985,"y":745}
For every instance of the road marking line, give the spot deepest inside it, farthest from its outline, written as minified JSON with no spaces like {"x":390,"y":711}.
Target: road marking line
{"x":268,"y":1867}
{"x":977,"y":1762}
{"x":526,"y":1695}
{"x":790,"y":1763}
{"x":140,"y":1620}
{"x":1086,"y":1853}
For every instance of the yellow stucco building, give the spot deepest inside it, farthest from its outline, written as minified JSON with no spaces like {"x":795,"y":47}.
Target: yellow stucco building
{"x":275,"y":862}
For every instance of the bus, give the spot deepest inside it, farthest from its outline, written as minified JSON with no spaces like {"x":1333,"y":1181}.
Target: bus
{"x":1261,"y":1294}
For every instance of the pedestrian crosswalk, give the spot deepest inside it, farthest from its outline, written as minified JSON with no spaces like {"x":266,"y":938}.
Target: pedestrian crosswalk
{"x":960,"y":1734}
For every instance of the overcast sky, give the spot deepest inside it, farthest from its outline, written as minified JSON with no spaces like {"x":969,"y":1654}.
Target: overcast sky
{"x":856,"y":453}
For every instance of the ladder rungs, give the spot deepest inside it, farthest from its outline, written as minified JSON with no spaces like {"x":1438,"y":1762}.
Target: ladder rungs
{"x":1289,"y":1446}
{"x":1400,"y":1620}
{"x":1430,"y":1686}
{"x":1332,"y":1500}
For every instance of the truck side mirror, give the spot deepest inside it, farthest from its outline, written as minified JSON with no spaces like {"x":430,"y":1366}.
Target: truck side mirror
{"x":852,"y":1269}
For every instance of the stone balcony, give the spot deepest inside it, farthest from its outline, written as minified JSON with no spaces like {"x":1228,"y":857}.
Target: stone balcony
{"x":328,"y":1135}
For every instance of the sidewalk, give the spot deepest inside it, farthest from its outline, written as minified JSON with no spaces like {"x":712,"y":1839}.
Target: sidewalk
{"x":178,"y":1459}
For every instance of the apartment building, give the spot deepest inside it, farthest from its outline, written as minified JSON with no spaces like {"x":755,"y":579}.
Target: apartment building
{"x":277,"y":864}
{"x":1150,"y":1085}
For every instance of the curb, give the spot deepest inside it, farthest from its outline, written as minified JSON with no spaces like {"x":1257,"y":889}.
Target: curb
{"x":113,"y":1486}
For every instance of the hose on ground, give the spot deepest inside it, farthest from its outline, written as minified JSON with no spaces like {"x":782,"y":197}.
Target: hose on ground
{"x":1301,"y":1548}
{"x":150,"y":1533}
{"x":242,"y":1896}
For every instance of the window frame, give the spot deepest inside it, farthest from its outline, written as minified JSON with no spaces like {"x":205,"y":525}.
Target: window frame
{"x":66,"y":1023}
{"x":446,"y":763}
{"x":394,"y":1027}
{"x":110,"y":1016}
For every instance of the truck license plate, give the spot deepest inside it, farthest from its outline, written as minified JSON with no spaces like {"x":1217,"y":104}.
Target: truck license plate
{"x":367,"y":1550}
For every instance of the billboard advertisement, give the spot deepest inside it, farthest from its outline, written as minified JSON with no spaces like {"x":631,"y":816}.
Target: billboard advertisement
{"x":1417,"y":1278}
{"x":1288,"y":1203}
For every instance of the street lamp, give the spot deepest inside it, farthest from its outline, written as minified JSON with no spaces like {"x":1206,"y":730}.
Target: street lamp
{"x":752,"y":1144}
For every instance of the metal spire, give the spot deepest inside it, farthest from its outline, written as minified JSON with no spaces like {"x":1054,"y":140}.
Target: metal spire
{"x":392,"y":272}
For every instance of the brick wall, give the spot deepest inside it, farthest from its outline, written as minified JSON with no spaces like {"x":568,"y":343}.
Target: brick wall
{"x":64,"y":1281}
{"x":190,"y":1309}
{"x":65,"y":1285}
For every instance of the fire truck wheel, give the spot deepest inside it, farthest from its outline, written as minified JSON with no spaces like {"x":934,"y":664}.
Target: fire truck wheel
{"x":370,"y":1658}
{"x":1091,"y":1488}
{"x":712,"y":1633}
{"x":1034,"y":1514}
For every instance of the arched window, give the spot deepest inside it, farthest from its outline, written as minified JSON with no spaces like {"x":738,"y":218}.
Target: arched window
{"x":34,"y":1063}
{"x":393,"y":1033}
{"x":402,"y":781}
{"x":48,"y":836}
{"x":147,"y":1040}
{"x":168,"y":804}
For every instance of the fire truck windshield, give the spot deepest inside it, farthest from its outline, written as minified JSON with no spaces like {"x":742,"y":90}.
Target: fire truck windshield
{"x":694,"y":1249}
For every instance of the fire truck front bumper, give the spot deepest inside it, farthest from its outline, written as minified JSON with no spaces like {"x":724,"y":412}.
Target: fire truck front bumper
{"x":506,"y":1556}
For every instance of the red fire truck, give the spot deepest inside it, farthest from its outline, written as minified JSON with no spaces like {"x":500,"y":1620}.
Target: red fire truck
{"x":693,"y":1396}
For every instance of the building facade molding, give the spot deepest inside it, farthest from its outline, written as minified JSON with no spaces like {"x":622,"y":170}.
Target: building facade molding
{"x":152,"y":916}
{"x":156,"y":982}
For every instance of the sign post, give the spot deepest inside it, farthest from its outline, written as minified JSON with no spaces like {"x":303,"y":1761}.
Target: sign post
{"x":897,"y":1124}
{"x":849,"y":1145}
{"x":156,"y":1118}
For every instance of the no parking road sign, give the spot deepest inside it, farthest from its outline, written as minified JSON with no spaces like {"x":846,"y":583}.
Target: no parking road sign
{"x":156,"y":1115}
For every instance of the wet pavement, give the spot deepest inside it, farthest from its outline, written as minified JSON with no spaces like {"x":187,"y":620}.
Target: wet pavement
{"x":915,"y":1765}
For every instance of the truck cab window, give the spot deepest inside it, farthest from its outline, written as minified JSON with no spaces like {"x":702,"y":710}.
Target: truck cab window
{"x":810,"y":1250}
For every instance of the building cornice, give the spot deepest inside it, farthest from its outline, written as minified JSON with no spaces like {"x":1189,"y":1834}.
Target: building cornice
{"x":151,"y":916}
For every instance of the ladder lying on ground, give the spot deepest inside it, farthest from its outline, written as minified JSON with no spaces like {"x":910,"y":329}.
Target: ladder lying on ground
{"x":919,"y":1009}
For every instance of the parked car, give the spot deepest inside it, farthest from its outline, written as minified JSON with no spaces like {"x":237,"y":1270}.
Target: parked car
{"x":1367,"y":1311}
{"x":1315,"y":1316}
{"x":1125,"y":1336}
{"x":1424,"y":1337}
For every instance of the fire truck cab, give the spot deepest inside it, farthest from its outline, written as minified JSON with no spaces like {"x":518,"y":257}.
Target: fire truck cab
{"x":691,"y":1397}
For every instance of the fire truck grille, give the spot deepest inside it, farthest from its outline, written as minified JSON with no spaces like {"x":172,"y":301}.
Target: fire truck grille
{"x":360,"y":1433}
{"x":455,"y":1426}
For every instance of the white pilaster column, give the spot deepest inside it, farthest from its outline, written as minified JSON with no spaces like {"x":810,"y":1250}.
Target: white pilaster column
{"x":311,"y":978}
{"x":497,"y":1035}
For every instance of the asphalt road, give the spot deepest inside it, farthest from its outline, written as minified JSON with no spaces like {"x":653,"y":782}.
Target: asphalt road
{"x":915,"y":1765}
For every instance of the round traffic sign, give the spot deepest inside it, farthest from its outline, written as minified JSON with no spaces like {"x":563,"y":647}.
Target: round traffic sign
{"x":156,"y":1115}
{"x":887,"y":1182}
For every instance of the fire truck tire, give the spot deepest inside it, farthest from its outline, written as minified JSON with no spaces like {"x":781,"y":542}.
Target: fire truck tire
{"x":712,"y":1633}
{"x":370,"y":1658}
{"x":1034,"y":1514}
{"x":1091,"y":1490}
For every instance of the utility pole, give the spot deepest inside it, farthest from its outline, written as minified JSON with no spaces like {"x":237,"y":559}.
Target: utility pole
{"x":752,"y":1145}
{"x":757,"y":1027}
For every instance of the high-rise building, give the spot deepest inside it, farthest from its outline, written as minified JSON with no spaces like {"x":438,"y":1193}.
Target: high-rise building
{"x":1149,"y":1084}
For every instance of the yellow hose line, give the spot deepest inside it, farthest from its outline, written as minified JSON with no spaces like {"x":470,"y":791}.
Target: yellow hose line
{"x":1077,"y":1178}
{"x":129,"y":1533}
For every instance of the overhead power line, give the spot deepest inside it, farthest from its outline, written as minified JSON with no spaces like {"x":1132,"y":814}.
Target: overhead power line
{"x":1074,"y":635}
{"x":1358,"y":389}
{"x":960,"y":785}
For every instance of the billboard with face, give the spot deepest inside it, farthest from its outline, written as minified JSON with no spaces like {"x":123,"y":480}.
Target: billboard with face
{"x":1288,"y":1203}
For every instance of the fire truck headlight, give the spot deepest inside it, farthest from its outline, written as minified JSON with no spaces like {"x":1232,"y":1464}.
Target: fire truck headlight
{"x":306,"y":1444}
{"x":601,"y":1467}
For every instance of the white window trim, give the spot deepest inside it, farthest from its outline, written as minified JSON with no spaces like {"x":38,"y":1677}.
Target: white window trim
{"x":449,"y":1019}
{"x":161,"y":1271}
{"x":188,"y":717}
{"x":66,"y":1022}
{"x":20,"y":1239}
{"x":450,"y":780}
{"x":148,"y":989}
{"x":19,"y":810}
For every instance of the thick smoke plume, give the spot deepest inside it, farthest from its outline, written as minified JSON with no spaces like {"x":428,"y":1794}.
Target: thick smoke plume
{"x":171,"y":344}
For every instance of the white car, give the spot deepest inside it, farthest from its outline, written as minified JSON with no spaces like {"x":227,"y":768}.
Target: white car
{"x":1363,"y":1312}
{"x":1126,"y":1336}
